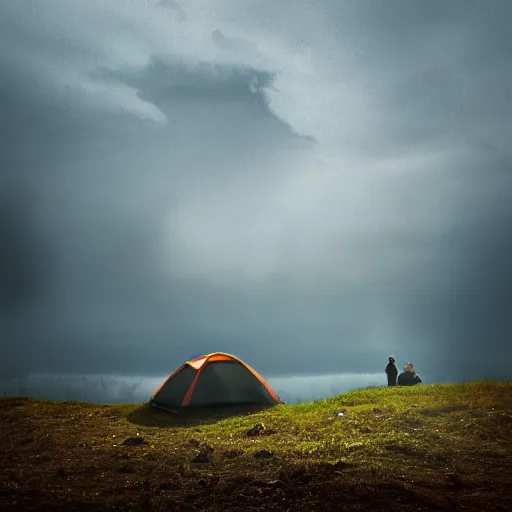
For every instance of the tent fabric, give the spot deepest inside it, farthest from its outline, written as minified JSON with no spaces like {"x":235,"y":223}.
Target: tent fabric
{"x":213,"y":379}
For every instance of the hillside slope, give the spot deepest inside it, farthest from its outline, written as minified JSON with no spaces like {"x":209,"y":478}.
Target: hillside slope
{"x":435,"y":447}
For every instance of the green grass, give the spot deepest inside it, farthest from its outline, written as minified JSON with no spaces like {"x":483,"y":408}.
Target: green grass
{"x":435,"y":446}
{"x":431,"y":420}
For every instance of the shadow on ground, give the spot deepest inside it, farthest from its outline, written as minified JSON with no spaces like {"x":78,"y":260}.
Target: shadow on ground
{"x":148,"y":416}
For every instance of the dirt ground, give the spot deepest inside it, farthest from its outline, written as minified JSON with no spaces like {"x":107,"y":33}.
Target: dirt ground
{"x":65,"y":457}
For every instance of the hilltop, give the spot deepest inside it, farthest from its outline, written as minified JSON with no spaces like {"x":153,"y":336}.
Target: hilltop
{"x":430,"y":447}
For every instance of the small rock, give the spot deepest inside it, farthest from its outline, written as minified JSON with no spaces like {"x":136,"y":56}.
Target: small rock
{"x":134,"y":441}
{"x":201,"y":458}
{"x":263,"y":454}
{"x":276,"y":484}
{"x":256,"y":430}
{"x":209,"y":483}
{"x":204,"y":455}
{"x":207,"y":449}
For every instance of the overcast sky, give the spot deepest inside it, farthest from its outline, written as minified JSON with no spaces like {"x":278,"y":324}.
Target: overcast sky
{"x":309,"y":185}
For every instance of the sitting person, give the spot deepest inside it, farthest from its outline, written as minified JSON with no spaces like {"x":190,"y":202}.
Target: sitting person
{"x":409,"y":377}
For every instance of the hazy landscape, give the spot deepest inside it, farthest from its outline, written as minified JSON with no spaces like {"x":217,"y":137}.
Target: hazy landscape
{"x":119,"y":389}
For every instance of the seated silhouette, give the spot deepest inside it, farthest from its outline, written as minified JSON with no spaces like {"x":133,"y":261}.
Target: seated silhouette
{"x":409,"y":377}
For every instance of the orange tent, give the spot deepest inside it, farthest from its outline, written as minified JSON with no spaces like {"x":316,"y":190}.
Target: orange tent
{"x":213,"y":379}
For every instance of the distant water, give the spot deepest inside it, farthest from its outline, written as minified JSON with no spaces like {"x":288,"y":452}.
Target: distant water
{"x":110,"y":389}
{"x":308,"y":388}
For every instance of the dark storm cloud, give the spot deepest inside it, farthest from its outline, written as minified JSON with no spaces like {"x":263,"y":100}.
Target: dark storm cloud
{"x":101,"y":225}
{"x":161,"y":80}
{"x":161,"y":204}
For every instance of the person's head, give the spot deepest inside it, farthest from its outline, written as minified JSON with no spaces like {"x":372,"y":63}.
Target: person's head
{"x":391,"y":359}
{"x":409,"y":367}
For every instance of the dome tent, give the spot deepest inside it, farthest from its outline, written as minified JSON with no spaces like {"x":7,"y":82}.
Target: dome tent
{"x":216,"y":379}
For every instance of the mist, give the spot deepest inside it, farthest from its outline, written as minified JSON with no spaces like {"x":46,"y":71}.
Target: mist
{"x":125,"y":389}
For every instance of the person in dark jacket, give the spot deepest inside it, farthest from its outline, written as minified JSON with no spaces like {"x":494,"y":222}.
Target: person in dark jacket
{"x":391,"y":371}
{"x":408,"y":377}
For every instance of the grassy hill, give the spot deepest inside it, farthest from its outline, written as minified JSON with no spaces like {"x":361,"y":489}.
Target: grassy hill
{"x":431,"y":447}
